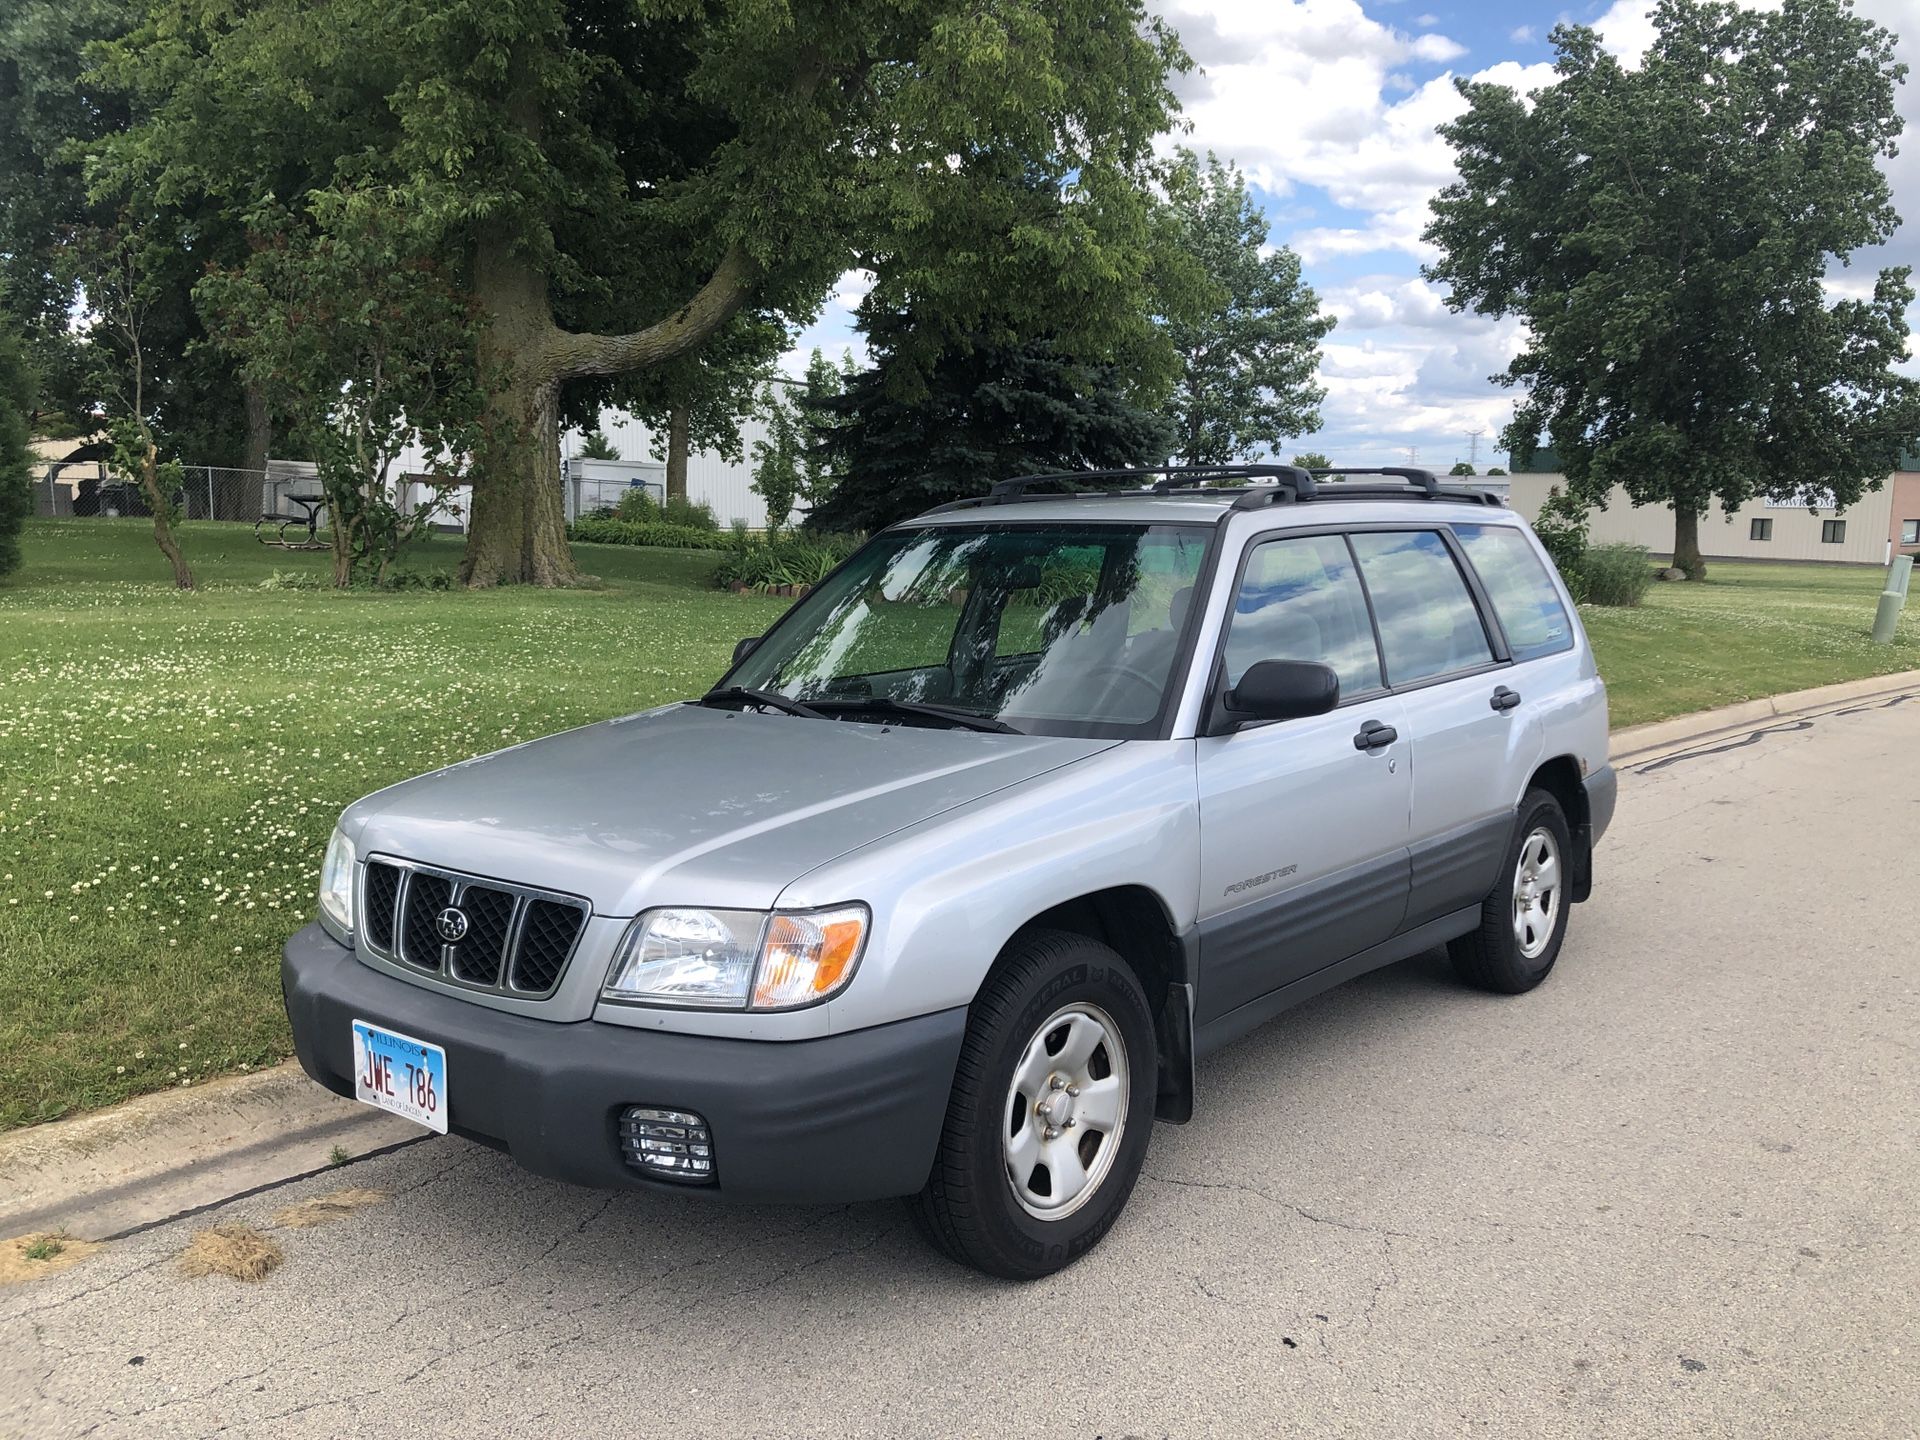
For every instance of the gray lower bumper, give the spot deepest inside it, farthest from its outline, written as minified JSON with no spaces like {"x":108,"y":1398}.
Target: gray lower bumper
{"x":845,"y":1118}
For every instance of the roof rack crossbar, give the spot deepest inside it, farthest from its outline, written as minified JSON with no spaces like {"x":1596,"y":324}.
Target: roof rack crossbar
{"x":1425,"y":479}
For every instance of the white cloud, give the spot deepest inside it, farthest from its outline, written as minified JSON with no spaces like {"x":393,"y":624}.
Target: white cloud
{"x":1437,"y":49}
{"x":1342,"y":129}
{"x":851,"y":289}
{"x":1521,"y":34}
{"x":1626,"y":29}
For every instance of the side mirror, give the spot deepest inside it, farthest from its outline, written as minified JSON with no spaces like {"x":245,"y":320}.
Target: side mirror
{"x":1283,"y":690}
{"x":744,"y":648}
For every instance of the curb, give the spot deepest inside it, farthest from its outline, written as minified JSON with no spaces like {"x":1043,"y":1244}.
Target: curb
{"x":1639,"y":742}
{"x":106,"y":1174}
{"x":102,"y":1175}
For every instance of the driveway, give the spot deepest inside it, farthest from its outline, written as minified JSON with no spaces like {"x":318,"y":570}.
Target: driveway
{"x":1673,"y":1192}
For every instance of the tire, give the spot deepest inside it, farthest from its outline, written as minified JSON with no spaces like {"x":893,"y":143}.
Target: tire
{"x":1520,"y":931}
{"x":1051,"y":997}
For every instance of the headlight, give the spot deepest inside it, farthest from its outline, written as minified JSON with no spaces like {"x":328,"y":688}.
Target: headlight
{"x":336,"y":885}
{"x":724,"y":959}
{"x":688,"y":957}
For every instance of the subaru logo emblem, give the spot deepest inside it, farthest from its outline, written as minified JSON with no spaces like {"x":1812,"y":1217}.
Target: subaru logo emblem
{"x":452,"y":924}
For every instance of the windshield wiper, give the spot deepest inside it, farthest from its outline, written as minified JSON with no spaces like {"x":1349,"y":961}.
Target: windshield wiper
{"x":887,"y":705}
{"x":765,"y":699}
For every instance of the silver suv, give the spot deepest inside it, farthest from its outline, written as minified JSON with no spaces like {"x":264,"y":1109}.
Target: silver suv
{"x":948,"y":885}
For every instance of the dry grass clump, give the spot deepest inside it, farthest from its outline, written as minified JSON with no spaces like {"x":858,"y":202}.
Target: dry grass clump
{"x":238,"y":1251}
{"x":325,"y":1209}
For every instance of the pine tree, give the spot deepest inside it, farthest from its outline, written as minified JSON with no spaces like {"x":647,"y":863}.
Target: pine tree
{"x":903,"y":441}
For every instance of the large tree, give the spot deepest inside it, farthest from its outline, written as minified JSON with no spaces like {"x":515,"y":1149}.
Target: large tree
{"x":1665,"y":230}
{"x":616,"y":181}
{"x":1245,"y":328}
{"x":909,"y":433}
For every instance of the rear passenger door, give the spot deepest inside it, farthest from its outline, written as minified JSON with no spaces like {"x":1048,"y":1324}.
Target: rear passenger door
{"x":1303,"y":828}
{"x":1449,"y":667}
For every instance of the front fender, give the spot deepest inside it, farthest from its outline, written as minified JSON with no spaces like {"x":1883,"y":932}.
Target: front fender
{"x":948,"y":894}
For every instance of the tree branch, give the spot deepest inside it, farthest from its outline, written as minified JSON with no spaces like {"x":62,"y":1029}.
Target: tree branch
{"x":718,"y":301}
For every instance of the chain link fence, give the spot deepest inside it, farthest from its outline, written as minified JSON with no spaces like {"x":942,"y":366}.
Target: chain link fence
{"x":88,"y":489}
{"x":589,"y":495}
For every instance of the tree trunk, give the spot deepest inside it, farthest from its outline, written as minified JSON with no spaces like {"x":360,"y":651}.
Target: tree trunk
{"x":677,"y":422}
{"x":1686,"y":543}
{"x":342,"y":537}
{"x":234,"y":502}
{"x":517,"y":533}
{"x":162,"y":528}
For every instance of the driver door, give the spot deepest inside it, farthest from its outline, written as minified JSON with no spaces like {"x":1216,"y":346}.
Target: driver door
{"x":1303,"y":827}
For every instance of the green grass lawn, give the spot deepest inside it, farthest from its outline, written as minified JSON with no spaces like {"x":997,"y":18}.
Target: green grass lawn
{"x":1752,"y":630}
{"x":171,"y":764}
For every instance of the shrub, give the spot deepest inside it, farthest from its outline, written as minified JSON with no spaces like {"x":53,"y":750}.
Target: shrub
{"x":595,"y":531}
{"x":790,"y":560}
{"x":637,"y":505}
{"x":1562,"y":528}
{"x":1614,"y":575}
{"x":693,"y":514}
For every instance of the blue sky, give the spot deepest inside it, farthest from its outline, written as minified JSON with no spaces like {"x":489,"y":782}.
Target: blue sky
{"x":1329,"y":108}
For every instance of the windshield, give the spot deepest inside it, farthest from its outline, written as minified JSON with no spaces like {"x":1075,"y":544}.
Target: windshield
{"x":1051,"y":629}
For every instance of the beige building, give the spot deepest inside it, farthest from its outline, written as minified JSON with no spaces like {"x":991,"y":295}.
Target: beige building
{"x":1881,"y":524}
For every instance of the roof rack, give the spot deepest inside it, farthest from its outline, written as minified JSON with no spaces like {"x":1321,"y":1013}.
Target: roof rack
{"x":1291,"y":484}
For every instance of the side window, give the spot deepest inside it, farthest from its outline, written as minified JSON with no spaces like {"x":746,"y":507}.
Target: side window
{"x":1300,"y":599}
{"x":1522,"y":593}
{"x":1429,"y":624}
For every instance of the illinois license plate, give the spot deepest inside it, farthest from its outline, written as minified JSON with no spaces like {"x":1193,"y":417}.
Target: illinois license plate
{"x":399,"y":1073}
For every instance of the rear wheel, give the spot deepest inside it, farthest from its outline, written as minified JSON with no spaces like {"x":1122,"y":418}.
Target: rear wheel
{"x":1524,"y":920}
{"x":1052,"y":1105}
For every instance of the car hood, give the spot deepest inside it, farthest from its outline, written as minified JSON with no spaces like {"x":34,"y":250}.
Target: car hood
{"x":691,"y":806}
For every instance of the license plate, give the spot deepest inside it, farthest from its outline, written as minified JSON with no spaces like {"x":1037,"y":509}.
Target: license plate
{"x":399,"y":1073}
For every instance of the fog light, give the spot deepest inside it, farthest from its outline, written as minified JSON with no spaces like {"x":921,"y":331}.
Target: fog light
{"x":667,"y":1144}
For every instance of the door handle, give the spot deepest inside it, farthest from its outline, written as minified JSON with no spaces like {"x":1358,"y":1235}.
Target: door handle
{"x":1375,"y":736}
{"x":1505,"y":699}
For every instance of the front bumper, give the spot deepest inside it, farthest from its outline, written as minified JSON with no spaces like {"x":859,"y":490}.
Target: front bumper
{"x":830,"y":1121}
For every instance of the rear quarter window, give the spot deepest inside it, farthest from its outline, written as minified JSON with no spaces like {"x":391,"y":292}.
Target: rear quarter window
{"x":1522,"y":592}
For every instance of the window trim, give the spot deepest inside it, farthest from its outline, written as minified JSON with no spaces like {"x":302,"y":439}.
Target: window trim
{"x":1555,"y":582}
{"x":1905,"y":525}
{"x":1760,"y":529}
{"x":1215,"y":720}
{"x":1835,"y":527}
{"x":1477,"y":596}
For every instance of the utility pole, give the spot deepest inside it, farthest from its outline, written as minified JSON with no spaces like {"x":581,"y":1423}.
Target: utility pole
{"x":1473,"y":446}
{"x":1413,"y":455}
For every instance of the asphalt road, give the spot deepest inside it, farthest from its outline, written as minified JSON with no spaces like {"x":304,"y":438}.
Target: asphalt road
{"x":1673,"y":1192}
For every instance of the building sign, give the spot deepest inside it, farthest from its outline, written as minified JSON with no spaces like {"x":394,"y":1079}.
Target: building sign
{"x":1805,"y":500}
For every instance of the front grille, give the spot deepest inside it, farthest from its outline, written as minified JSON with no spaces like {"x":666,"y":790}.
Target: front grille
{"x":477,"y":933}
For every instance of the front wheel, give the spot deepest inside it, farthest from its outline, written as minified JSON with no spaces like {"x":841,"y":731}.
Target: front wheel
{"x":1052,"y":1107}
